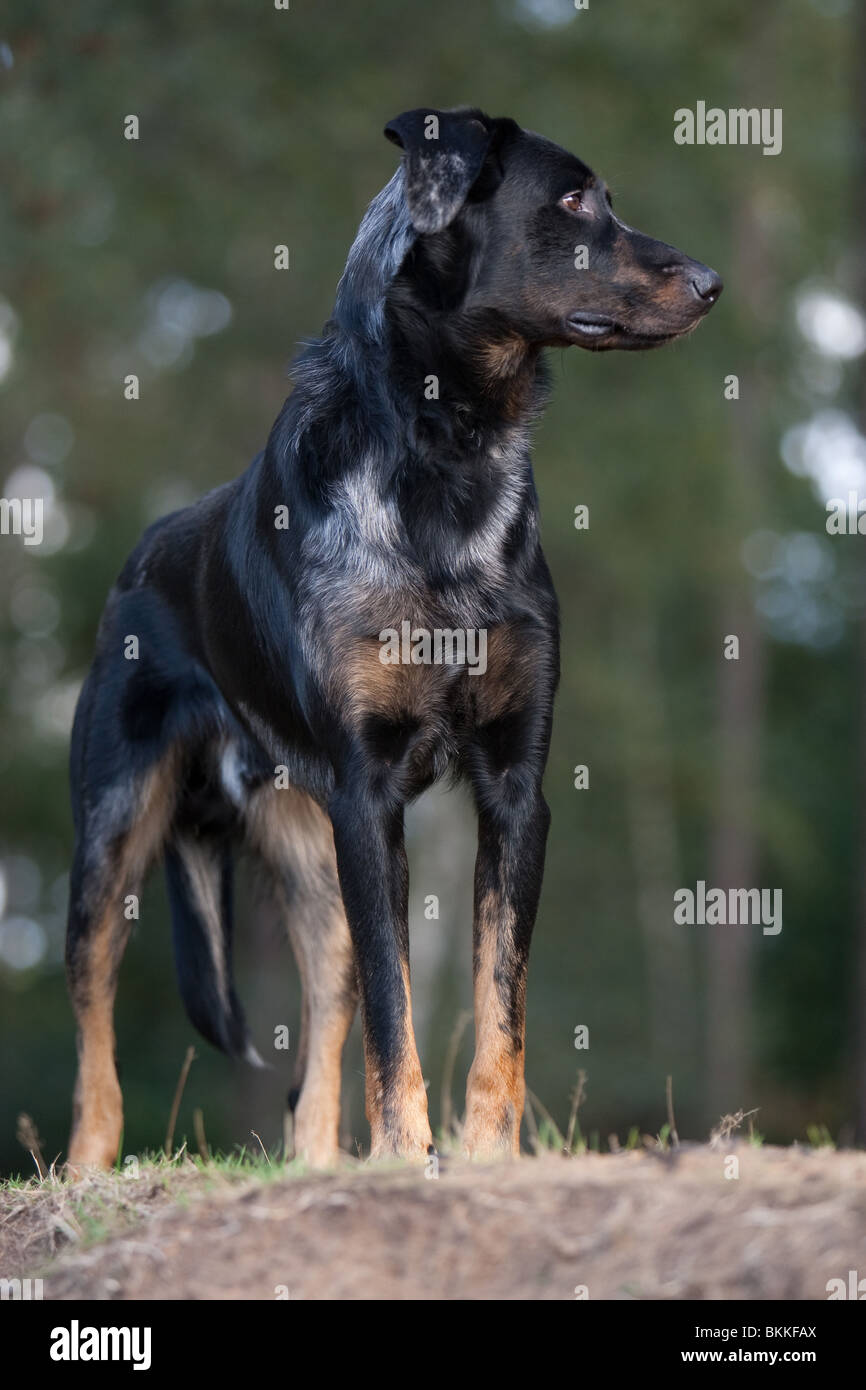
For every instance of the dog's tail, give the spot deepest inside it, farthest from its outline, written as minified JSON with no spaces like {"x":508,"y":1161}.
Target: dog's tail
{"x":199,"y":876}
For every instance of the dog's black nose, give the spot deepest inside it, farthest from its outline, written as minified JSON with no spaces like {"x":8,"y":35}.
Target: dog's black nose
{"x":707,"y":284}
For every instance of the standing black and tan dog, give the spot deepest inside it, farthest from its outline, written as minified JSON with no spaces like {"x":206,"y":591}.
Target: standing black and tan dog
{"x":254,"y":705}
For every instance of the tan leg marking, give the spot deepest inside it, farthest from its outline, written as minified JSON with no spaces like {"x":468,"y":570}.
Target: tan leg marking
{"x":495,"y":1089}
{"x":295,"y":835}
{"x":411,"y":1137}
{"x":98,"y":1103}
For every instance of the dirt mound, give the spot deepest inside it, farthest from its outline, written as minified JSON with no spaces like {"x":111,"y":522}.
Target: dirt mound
{"x":626,"y":1226}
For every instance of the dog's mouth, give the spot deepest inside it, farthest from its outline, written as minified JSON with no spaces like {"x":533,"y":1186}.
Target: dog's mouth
{"x":591,"y":325}
{"x":598,"y":331}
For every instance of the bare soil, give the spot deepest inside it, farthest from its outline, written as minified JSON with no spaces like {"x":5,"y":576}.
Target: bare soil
{"x":636,"y":1225}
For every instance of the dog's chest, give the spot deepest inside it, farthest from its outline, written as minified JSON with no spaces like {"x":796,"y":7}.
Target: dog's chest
{"x":426,"y":544}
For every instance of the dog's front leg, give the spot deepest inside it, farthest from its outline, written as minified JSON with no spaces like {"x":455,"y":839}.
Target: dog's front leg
{"x":512,"y":833}
{"x":374,"y":879}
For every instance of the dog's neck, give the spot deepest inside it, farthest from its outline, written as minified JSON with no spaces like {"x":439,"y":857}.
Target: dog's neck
{"x":428,"y":391}
{"x":458,"y":381}
{"x":463,"y":378}
{"x":426,"y":402}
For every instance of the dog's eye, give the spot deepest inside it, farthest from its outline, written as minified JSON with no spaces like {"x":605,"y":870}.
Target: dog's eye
{"x":571,"y":202}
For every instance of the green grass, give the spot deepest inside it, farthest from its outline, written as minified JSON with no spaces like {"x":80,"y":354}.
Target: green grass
{"x":248,"y":1161}
{"x":156,"y":1167}
{"x":820,"y":1137}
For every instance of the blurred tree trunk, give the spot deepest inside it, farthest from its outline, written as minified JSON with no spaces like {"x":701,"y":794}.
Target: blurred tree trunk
{"x":441,"y":838}
{"x":735,"y":846}
{"x":740,"y":691}
{"x":734,"y":856}
{"x":655,"y":854}
{"x":271,"y":993}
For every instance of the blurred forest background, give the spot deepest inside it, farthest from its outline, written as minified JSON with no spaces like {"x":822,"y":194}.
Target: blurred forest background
{"x":261,"y":126}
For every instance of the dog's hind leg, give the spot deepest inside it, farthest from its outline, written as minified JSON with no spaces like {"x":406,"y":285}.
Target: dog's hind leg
{"x":118,"y":837}
{"x":323,"y":949}
{"x":295,"y":838}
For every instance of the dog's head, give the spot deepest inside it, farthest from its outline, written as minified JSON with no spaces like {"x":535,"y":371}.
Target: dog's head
{"x":509,"y":225}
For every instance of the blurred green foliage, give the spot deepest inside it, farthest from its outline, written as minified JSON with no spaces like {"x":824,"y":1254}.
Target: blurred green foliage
{"x":260,"y":127}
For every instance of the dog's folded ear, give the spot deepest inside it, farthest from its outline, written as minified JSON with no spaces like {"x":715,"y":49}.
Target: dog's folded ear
{"x":443,"y":154}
